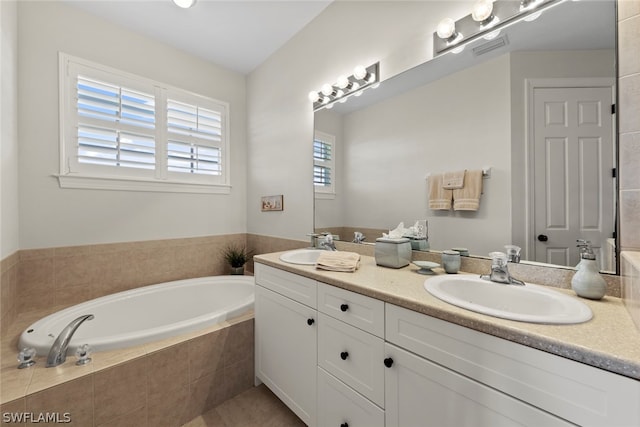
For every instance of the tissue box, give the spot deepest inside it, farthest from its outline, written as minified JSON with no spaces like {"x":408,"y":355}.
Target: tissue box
{"x":394,"y":253}
{"x":420,"y":244}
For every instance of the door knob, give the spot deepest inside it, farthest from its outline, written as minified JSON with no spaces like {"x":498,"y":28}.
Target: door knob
{"x":543,"y":237}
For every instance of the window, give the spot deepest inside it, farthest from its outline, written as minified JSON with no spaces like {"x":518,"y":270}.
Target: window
{"x":125,"y":132}
{"x":324,"y":164}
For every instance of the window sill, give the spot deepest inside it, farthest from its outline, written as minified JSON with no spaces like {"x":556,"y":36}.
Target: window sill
{"x":325,"y":196}
{"x":138,"y":184}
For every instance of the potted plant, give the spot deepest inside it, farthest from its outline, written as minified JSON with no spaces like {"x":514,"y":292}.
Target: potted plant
{"x":237,"y":256}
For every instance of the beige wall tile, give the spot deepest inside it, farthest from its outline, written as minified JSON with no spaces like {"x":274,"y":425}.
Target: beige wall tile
{"x":239,"y":376}
{"x":120,"y":390}
{"x":239,"y":345}
{"x":629,"y":46}
{"x":73,"y":397}
{"x":35,"y":275}
{"x":630,"y":219}
{"x":629,"y":160}
{"x":15,"y":407}
{"x":137,"y":418}
{"x":206,"y":392}
{"x":206,"y":354}
{"x":629,"y":90}
{"x":169,"y":374}
{"x":169,"y":410}
{"x":628,"y":8}
{"x":630,"y":265}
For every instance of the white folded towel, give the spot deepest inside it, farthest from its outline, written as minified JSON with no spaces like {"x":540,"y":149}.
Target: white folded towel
{"x":338,"y":261}
{"x":467,"y":198}
{"x":453,"y":180}
{"x":439,"y":197}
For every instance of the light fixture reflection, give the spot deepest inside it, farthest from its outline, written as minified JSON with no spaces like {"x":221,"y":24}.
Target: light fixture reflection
{"x":483,"y":11}
{"x":185,"y":4}
{"x":362,"y":78}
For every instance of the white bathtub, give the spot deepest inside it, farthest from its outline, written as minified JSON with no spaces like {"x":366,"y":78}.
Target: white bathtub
{"x":146,"y":314}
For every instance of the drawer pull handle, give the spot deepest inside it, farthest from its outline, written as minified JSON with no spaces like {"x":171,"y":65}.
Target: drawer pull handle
{"x":344,"y":355}
{"x":310,"y":322}
{"x":388,"y":362}
{"x":344,"y":307}
{"x":345,"y":424}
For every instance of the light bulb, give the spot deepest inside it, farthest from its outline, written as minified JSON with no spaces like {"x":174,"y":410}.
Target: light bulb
{"x":492,"y":35}
{"x":355,"y":86}
{"x":458,"y":49}
{"x":342,"y":82}
{"x":314,"y":96}
{"x":339,"y":93}
{"x":330,"y":106}
{"x":327,"y":89}
{"x":185,"y":4}
{"x":343,"y":100}
{"x":359,"y":72}
{"x":358,"y":93}
{"x":446,"y":28}
{"x":325,"y":99}
{"x":482,"y":10}
{"x":375,"y":85}
{"x":372,"y":78}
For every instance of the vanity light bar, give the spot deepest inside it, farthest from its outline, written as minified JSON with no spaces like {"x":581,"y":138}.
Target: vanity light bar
{"x":467,"y":29}
{"x":362,"y":78}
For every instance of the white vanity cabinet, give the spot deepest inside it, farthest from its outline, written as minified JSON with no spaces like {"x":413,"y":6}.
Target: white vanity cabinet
{"x":286,"y":338}
{"x":443,"y":374}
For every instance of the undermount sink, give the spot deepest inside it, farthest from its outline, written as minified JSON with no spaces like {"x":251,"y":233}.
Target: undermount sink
{"x":529,"y":303}
{"x":301,"y":256}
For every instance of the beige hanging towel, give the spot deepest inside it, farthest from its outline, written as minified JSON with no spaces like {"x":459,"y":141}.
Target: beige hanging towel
{"x":347,"y":262}
{"x":453,"y":180}
{"x":467,"y":198}
{"x":439,"y":197}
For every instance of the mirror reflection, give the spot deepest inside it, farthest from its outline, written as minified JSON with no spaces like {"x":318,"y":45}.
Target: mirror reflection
{"x":532,"y":104}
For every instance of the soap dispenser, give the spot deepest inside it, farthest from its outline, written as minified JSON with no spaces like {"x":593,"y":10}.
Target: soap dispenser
{"x":587,"y":282}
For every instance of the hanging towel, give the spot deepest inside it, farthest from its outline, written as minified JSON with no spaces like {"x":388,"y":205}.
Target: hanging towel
{"x":439,"y":197}
{"x":467,"y":198}
{"x":453,"y":180}
{"x":338,"y":261}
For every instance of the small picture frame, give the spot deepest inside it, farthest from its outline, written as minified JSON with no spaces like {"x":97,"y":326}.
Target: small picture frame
{"x":272,"y":203}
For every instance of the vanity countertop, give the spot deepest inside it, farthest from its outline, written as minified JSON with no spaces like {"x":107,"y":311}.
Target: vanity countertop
{"x":608,"y":341}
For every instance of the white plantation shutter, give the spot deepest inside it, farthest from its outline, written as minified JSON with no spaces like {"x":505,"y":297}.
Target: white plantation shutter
{"x":116,"y":125}
{"x":323,"y":163}
{"x":195,"y":136}
{"x":124,"y":132}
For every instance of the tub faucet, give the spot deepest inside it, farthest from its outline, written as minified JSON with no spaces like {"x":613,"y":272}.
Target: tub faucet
{"x":327,"y":242}
{"x":499,"y":271}
{"x":58,"y":351}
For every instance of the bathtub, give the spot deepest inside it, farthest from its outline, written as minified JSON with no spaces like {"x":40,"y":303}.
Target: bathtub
{"x":146,"y":314}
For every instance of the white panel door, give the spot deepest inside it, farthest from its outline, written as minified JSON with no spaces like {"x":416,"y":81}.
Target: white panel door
{"x":573,"y":162}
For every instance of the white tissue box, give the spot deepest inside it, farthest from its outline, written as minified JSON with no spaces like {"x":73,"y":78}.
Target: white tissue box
{"x":394,"y":253}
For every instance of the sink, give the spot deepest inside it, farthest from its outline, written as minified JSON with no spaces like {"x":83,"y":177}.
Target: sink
{"x":301,"y":256}
{"x":529,"y":303}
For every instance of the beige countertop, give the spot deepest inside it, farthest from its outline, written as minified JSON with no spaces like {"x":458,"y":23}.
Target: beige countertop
{"x":608,"y":341}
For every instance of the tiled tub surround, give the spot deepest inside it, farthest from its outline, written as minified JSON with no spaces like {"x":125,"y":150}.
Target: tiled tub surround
{"x":609,"y":341}
{"x":165,"y":383}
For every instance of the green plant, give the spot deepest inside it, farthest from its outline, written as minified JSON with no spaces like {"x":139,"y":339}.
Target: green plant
{"x":236,"y":255}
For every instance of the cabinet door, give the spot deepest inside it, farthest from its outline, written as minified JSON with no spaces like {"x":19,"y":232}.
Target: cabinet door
{"x":421,"y":393}
{"x":340,"y":406}
{"x":286,"y":351}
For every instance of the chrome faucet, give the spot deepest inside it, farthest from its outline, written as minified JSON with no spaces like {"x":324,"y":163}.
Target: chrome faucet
{"x":58,"y":351}
{"x":358,"y":237}
{"x":327,"y":242}
{"x":499,"y":271}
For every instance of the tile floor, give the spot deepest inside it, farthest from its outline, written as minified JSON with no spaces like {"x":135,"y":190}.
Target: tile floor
{"x":256,"y":407}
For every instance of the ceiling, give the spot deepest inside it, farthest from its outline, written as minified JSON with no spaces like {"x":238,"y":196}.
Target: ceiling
{"x":235,"y":34}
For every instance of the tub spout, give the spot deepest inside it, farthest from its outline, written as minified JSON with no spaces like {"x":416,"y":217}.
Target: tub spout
{"x":58,"y":352}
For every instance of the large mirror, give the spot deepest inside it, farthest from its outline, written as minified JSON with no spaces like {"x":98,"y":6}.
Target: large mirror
{"x":532,"y":106}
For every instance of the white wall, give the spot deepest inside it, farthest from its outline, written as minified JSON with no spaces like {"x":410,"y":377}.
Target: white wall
{"x":51,"y":216}
{"x":396,"y":33}
{"x":459,"y":122}
{"x":9,"y":218}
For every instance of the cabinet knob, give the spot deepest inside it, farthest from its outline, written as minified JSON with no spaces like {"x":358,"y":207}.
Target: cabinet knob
{"x":310,"y":322}
{"x":345,"y":424}
{"x":388,"y":362}
{"x":344,"y":355}
{"x":344,"y":307}
{"x":543,"y":237}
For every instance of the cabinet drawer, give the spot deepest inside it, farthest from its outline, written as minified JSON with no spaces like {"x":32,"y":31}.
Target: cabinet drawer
{"x":339,"y":405}
{"x":576,"y":392}
{"x":353,"y":356}
{"x":291,"y":285}
{"x":358,"y":310}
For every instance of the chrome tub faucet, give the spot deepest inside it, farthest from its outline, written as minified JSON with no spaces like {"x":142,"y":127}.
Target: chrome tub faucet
{"x":58,"y":352}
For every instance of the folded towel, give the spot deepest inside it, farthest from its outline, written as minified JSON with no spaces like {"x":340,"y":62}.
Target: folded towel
{"x":453,"y":180}
{"x":439,"y":198}
{"x":338,"y":261}
{"x":467,"y":198}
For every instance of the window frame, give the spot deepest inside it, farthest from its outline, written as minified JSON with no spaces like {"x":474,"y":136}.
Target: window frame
{"x":74,"y":174}
{"x":326,"y":192}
